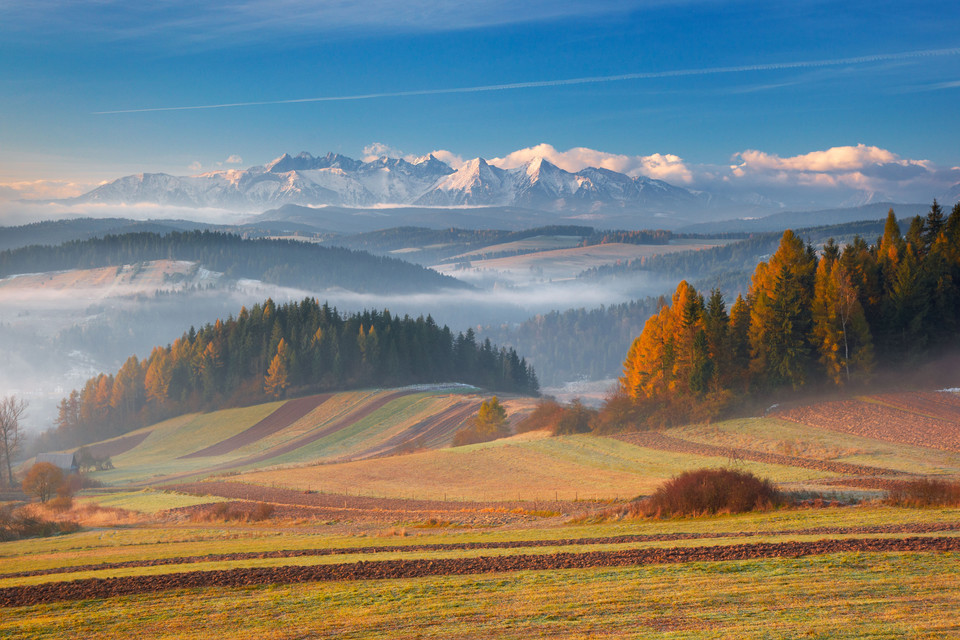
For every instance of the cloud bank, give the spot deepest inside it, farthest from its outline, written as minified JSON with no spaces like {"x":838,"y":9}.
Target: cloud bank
{"x":871,"y":171}
{"x":668,"y":167}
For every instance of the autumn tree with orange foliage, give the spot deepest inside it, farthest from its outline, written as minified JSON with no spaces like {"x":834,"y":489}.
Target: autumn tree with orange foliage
{"x":825,"y":320}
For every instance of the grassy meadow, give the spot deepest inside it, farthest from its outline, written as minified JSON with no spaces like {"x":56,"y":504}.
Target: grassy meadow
{"x":136,"y":528}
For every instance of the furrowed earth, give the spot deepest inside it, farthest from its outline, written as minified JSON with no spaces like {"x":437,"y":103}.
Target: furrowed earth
{"x":350,"y":515}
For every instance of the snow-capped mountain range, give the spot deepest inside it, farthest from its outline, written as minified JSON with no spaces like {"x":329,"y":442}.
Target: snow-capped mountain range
{"x":337,"y":180}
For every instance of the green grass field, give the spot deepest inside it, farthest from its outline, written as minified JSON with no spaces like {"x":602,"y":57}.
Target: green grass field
{"x":841,"y":595}
{"x":836,"y":595}
{"x":526,"y":468}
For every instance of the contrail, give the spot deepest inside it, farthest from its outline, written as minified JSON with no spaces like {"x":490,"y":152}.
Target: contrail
{"x":678,"y":73}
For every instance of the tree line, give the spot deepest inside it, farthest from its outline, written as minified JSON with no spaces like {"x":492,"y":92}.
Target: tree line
{"x":272,"y":351}
{"x":810,"y":319}
{"x":577,"y":343}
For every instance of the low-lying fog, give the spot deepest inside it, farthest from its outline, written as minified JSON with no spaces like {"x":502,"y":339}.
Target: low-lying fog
{"x":57,"y":330}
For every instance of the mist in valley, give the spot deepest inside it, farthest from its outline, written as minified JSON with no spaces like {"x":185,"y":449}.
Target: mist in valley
{"x":59,"y":330}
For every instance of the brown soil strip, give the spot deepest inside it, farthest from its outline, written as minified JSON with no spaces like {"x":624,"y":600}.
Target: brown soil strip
{"x":359,"y":414}
{"x":654,"y":440}
{"x":881,"y":422}
{"x":402,"y":569}
{"x":280,"y":419}
{"x":355,"y":416}
{"x":439,"y":426}
{"x":118,"y":446}
{"x":511,"y":544}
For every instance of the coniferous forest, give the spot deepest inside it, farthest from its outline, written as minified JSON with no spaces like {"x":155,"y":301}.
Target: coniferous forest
{"x":269,"y":352}
{"x":811,"y":319}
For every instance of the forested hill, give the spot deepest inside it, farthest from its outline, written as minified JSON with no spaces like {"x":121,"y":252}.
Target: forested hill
{"x":810,"y":319}
{"x":577,"y":343}
{"x":287,"y":263}
{"x":271,"y":351}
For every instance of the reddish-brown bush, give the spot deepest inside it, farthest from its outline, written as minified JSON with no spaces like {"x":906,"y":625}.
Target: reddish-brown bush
{"x":707,"y":491}
{"x":233,"y":511}
{"x":925,"y":493}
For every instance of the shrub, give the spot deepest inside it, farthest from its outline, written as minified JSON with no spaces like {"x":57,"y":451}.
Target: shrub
{"x":558,"y":418}
{"x":708,"y":491}
{"x":924,"y":493}
{"x":545,"y":416}
{"x":233,"y":511}
{"x":16,"y":524}
{"x":43,"y":480}
{"x":60,"y":503}
{"x":574,"y":418}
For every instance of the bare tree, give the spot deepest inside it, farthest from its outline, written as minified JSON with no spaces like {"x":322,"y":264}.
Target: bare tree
{"x":12,"y":409}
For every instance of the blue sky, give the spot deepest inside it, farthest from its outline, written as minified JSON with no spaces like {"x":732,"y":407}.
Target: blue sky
{"x":803,"y":84}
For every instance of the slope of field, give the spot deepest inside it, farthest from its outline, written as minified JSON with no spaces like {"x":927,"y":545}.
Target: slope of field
{"x":526,"y":467}
{"x":325,"y":428}
{"x":920,"y":419}
{"x":772,"y":435}
{"x":561,"y":264}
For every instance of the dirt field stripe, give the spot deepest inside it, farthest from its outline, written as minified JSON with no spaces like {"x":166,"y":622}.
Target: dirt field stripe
{"x":283,"y":417}
{"x":435,"y":426}
{"x":355,"y":415}
{"x":118,"y":446}
{"x":466,"y":546}
{"x":400,"y":569}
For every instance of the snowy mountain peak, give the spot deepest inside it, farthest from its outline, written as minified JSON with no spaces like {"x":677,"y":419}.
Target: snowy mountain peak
{"x":335,"y":179}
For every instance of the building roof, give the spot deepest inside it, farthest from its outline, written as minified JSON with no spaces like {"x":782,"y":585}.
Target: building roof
{"x":62,"y":460}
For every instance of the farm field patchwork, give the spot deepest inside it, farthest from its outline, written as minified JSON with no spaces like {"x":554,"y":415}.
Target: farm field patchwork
{"x":340,"y":426}
{"x":393,"y":534}
{"x":527,"y":467}
{"x":908,"y":589}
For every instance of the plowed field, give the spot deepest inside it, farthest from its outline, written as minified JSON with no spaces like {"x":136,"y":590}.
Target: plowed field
{"x":398,"y":569}
{"x":510,"y":544}
{"x":920,"y":419}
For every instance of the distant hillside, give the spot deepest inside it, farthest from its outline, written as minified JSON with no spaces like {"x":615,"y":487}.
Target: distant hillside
{"x":779,"y":222}
{"x":54,"y":232}
{"x":272,"y":351}
{"x":288,"y":263}
{"x":577,"y":344}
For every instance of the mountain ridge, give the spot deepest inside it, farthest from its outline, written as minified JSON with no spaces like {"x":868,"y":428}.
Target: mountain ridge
{"x":338,"y":180}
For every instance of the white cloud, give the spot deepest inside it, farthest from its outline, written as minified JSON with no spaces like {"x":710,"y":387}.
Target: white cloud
{"x":668,"y":167}
{"x":449,"y":157}
{"x":830,"y":160}
{"x":17,"y":213}
{"x":42,"y":189}
{"x":233,"y":159}
{"x":861,"y":167}
{"x":840,"y":174}
{"x":195,"y":166}
{"x":192,"y":25}
{"x":378,"y":150}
